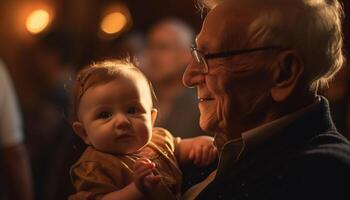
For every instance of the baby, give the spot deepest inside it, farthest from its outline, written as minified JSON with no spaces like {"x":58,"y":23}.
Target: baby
{"x":126,"y":157}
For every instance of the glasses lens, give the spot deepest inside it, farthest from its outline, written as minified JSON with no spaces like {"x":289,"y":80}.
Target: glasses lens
{"x":199,"y":57}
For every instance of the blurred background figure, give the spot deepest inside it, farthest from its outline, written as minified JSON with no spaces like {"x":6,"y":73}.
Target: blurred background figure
{"x":166,"y":56}
{"x":16,"y":179}
{"x":49,"y":137}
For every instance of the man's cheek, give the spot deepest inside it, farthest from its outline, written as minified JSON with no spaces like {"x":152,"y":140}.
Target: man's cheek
{"x":208,"y":117}
{"x":224,"y":112}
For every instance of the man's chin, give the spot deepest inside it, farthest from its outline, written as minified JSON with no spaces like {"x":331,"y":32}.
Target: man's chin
{"x":208,"y":125}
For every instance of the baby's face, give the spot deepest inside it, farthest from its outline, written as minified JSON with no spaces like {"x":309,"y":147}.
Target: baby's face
{"x":117,"y":116}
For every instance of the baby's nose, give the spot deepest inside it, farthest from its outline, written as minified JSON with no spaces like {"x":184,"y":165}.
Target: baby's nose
{"x":121,"y":121}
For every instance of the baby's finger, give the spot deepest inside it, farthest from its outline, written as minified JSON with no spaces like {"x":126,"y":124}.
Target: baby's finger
{"x":140,"y":170}
{"x":211,"y":156}
{"x":142,"y":174}
{"x":198,"y":156}
{"x":191,"y":154}
{"x":144,"y":168}
{"x":151,"y":181}
{"x":143,"y":159}
{"x":143,"y":164}
{"x":138,"y":165}
{"x":205,"y":156}
{"x":215,"y":153}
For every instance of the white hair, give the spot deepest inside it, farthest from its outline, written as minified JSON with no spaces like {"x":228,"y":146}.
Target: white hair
{"x":312,"y":27}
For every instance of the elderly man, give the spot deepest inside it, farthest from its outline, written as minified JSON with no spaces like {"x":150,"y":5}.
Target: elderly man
{"x":258,"y":66}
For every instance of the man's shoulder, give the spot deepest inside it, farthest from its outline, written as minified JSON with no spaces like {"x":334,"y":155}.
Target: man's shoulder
{"x":329,"y":145}
{"x":322,"y":169}
{"x":319,"y":170}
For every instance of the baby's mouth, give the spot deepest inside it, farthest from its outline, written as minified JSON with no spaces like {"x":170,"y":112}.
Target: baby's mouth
{"x":123,"y":136}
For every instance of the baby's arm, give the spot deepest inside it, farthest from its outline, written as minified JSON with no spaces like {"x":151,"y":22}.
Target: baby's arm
{"x":144,"y":181}
{"x":199,"y":150}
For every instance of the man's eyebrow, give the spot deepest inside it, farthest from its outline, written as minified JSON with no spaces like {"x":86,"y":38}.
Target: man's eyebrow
{"x":206,"y":46}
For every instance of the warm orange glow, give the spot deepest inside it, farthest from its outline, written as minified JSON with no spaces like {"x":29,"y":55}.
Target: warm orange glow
{"x":113,"y":23}
{"x":37,"y":21}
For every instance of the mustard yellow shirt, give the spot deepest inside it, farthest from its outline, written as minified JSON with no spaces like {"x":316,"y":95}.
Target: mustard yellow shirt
{"x":98,"y":173}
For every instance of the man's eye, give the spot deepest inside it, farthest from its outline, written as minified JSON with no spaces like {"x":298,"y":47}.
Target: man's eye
{"x":132,"y":110}
{"x":104,"y":115}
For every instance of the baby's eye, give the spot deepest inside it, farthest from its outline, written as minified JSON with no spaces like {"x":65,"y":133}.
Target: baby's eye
{"x":104,"y":115}
{"x":132,"y":110}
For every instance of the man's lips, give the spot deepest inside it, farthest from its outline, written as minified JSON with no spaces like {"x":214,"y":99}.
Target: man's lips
{"x":203,"y":99}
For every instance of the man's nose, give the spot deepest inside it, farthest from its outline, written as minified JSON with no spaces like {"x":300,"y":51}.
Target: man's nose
{"x":121,"y":121}
{"x":193,"y":75}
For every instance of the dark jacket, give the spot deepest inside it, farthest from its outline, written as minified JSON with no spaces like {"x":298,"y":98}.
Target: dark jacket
{"x":309,"y":160}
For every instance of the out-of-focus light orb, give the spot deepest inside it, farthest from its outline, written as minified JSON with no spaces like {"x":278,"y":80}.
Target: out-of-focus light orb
{"x":113,"y":23}
{"x":37,"y":21}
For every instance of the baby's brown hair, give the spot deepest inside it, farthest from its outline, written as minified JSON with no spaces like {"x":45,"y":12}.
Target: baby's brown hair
{"x":100,"y":73}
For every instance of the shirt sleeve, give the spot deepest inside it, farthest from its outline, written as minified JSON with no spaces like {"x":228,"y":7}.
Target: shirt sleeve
{"x":165,"y":139}
{"x":10,"y":119}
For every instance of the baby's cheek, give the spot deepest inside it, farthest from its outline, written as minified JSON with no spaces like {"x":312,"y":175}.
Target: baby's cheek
{"x":148,"y":134}
{"x":145,"y":134}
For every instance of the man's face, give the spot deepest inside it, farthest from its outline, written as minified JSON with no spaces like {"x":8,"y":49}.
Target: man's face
{"x":232,"y":95}
{"x":166,"y":54}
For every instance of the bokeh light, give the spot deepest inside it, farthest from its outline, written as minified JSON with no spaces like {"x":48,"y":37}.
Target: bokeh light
{"x":37,"y":21}
{"x":113,"y":23}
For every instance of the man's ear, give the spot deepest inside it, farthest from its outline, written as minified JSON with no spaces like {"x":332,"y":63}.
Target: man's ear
{"x":154,"y":113}
{"x":80,"y":131}
{"x":287,"y":75}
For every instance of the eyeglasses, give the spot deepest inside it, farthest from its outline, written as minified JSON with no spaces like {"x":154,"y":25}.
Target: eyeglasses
{"x":202,"y":58}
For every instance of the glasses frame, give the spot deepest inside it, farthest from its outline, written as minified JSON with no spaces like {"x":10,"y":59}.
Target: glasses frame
{"x":202,"y":58}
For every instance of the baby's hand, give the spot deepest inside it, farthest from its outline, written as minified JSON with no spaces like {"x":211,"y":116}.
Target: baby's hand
{"x":144,"y":178}
{"x":203,"y":152}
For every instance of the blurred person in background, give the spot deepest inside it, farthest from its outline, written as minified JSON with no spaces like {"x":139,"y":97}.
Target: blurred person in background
{"x":166,"y":57}
{"x":49,"y":137}
{"x":16,"y":177}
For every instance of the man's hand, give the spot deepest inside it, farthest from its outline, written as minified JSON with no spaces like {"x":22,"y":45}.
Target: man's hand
{"x":202,"y":151}
{"x":144,"y":178}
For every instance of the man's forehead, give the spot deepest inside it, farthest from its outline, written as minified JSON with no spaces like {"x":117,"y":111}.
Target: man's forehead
{"x":224,"y":26}
{"x":212,"y":31}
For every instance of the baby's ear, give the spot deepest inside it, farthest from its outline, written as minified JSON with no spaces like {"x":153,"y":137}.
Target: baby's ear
{"x":80,"y":131}
{"x":154,"y":113}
